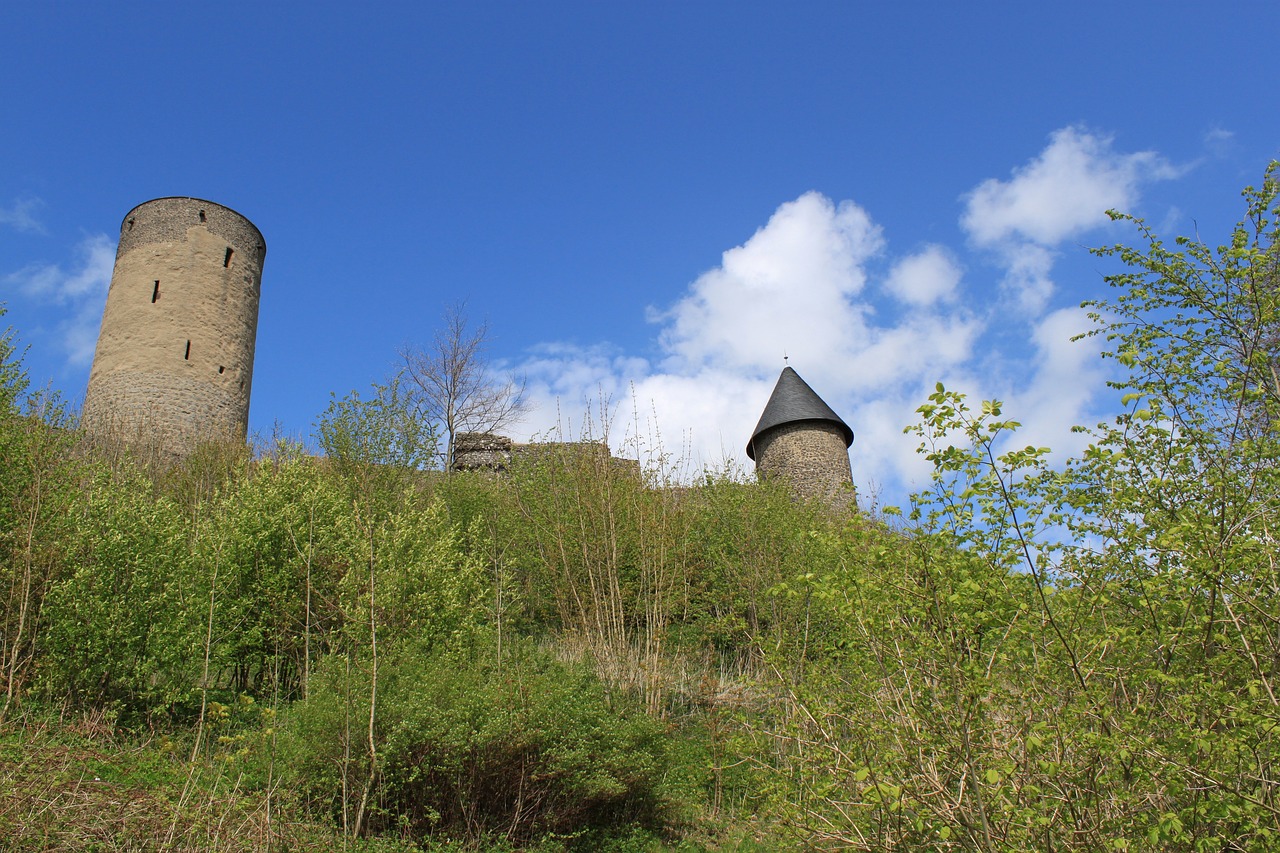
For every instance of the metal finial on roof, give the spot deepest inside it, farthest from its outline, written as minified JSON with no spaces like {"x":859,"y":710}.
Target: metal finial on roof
{"x":793,"y":400}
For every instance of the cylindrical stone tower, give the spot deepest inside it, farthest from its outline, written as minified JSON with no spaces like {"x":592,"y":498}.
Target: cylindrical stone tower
{"x":174,"y":362}
{"x":800,"y":439}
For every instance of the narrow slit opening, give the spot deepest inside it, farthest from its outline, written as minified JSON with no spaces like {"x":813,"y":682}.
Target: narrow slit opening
{"x":187,"y":356}
{"x":155,"y":292}
{"x":226,"y":260}
{"x":130,"y":223}
{"x":221,"y":369}
{"x":202,"y":216}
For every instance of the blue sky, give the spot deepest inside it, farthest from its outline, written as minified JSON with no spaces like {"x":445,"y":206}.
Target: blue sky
{"x":649,"y":203}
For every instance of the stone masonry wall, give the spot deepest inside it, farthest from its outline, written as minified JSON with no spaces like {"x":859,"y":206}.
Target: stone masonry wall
{"x":174,"y":362}
{"x":481,"y":451}
{"x":810,"y":455}
{"x":486,"y":451}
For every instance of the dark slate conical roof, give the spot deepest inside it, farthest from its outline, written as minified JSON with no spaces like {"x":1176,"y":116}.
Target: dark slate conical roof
{"x":793,"y":400}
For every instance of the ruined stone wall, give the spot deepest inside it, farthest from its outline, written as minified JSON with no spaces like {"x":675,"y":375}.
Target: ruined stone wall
{"x":486,"y":451}
{"x":810,"y":455}
{"x":174,"y":362}
{"x":481,"y":451}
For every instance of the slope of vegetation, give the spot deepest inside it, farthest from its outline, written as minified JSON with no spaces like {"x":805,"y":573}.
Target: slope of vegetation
{"x":280,"y":652}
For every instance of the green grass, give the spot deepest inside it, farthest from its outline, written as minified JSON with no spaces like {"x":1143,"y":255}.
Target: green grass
{"x":82,"y":786}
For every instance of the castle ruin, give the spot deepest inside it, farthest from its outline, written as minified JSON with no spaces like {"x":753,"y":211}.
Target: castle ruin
{"x":174,"y":362}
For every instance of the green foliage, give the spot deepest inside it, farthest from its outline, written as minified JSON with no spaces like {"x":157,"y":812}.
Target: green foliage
{"x":211,"y":469}
{"x":1180,"y":492}
{"x":518,"y":751}
{"x":76,"y":783}
{"x":276,"y":538}
{"x":124,"y":625}
{"x":601,"y":552}
{"x":908,"y":730}
{"x":38,"y":475}
{"x":13,"y":378}
{"x":276,"y":565}
{"x":1080,"y":658}
{"x":745,"y":540}
{"x":384,"y":431}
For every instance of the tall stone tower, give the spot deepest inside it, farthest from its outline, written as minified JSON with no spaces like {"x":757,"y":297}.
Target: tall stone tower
{"x":800,"y":439}
{"x":174,"y":362}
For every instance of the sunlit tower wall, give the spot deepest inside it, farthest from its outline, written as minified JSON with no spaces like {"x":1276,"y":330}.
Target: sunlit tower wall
{"x":174,"y":362}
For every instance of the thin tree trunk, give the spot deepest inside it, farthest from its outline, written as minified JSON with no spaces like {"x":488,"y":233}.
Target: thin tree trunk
{"x":373,"y":694}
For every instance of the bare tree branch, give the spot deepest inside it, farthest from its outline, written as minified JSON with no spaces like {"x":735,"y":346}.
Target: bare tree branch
{"x":452,"y":385}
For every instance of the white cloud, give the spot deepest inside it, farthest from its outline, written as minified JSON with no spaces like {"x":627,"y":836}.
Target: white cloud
{"x":21,"y":215}
{"x":786,"y":291}
{"x":78,"y":294}
{"x":1219,"y":143}
{"x":1219,"y":136}
{"x":929,"y":276}
{"x":1060,"y":194}
{"x":1063,"y":192}
{"x":1028,"y":276}
{"x":915,"y":345}
{"x":90,"y":277}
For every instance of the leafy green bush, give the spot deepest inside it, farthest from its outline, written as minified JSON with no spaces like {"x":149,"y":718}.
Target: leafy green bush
{"x":517,"y":752}
{"x":1074,"y":657}
{"x":124,"y":627}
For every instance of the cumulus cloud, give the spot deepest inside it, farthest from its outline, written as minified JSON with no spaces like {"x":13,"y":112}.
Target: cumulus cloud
{"x":1059,"y":195}
{"x":1064,"y":191}
{"x":1067,"y":374}
{"x":78,"y":293}
{"x":788,"y":290}
{"x":797,"y":287}
{"x":21,"y":215}
{"x":1028,"y":276}
{"x":931,"y":275}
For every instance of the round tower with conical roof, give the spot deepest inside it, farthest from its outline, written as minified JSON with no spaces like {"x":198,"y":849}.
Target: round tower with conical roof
{"x":174,"y":362}
{"x":801,"y":440}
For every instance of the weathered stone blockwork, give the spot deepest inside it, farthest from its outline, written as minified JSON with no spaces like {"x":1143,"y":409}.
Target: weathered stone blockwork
{"x":174,"y":362}
{"x":810,"y":455}
{"x":486,"y":451}
{"x":481,"y":451}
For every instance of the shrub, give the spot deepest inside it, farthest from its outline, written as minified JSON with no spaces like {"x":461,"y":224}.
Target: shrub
{"x":517,"y":752}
